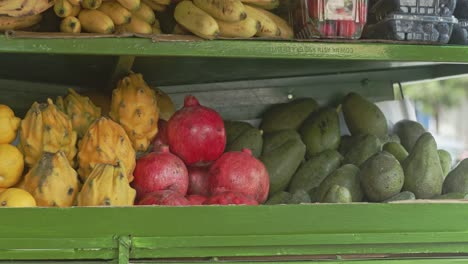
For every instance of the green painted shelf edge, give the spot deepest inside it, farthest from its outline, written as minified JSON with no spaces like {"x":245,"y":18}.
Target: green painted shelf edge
{"x":234,"y":231}
{"x":236,"y":49}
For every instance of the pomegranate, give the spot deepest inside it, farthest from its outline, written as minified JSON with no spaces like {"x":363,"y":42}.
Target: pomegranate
{"x":196,"y":199}
{"x":161,"y":137}
{"x":240,"y":172}
{"x":198,"y":180}
{"x":228,"y":198}
{"x":196,"y":133}
{"x":158,"y":171}
{"x":167,"y":197}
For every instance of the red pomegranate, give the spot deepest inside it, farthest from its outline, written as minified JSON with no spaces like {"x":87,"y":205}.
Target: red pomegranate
{"x":196,"y":199}
{"x":158,"y":171}
{"x":230,"y":198}
{"x":240,"y":172}
{"x":161,"y":137}
{"x":167,"y":197}
{"x":196,"y":133}
{"x":198,"y":180}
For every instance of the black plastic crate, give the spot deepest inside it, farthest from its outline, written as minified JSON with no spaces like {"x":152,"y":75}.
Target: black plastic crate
{"x":460,"y":33}
{"x":381,"y":9}
{"x":431,"y":29}
{"x":461,"y":11}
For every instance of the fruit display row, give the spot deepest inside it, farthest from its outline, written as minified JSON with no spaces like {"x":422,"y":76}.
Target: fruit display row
{"x":144,"y":152}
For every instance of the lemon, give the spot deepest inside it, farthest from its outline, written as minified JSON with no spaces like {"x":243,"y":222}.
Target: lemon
{"x":11,"y":165}
{"x":8,"y":124}
{"x":15,"y":197}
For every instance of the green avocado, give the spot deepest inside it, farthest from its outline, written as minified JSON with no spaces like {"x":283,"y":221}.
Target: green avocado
{"x":311,"y":173}
{"x":448,"y":196}
{"x":364,"y":146}
{"x":313,"y":194}
{"x":288,"y":116}
{"x":240,"y":135}
{"x":346,"y":143}
{"x":346,"y":176}
{"x":401,"y":197}
{"x":408,"y":131}
{"x":299,"y":196}
{"x":457,"y":179}
{"x":391,"y":138}
{"x":397,"y":150}
{"x":445,"y":161}
{"x":279,"y":198}
{"x":423,"y":173}
{"x":381,"y":177}
{"x":321,"y":131}
{"x":337,"y":194}
{"x":363,"y":116}
{"x":283,"y":152}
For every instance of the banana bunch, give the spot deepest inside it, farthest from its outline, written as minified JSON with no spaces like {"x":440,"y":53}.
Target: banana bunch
{"x":109,"y":16}
{"x":210,"y":19}
{"x":20,"y":14}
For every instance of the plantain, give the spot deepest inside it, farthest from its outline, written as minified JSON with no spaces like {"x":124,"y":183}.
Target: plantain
{"x":286,"y":31}
{"x":268,"y":27}
{"x":145,"y":13}
{"x":70,"y":25}
{"x":119,"y":14}
{"x":264,"y":4}
{"x":246,"y":28}
{"x":91,"y":4}
{"x":131,"y":5}
{"x":12,"y":23}
{"x":155,"y":6}
{"x":196,"y":20}
{"x":95,"y":21}
{"x":63,"y":8}
{"x":225,"y":10}
{"x":136,"y":25}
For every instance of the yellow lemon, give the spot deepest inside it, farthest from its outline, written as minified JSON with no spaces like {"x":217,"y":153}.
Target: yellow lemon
{"x":11,"y":165}
{"x":15,"y":197}
{"x":8,"y":124}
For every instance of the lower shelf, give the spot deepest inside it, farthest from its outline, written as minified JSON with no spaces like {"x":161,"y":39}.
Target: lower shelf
{"x":376,"y":230}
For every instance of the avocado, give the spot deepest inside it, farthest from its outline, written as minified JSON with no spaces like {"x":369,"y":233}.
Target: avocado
{"x":397,"y":150}
{"x":445,"y":161}
{"x":391,"y":138}
{"x":299,"y":196}
{"x":240,"y":135}
{"x":288,"y":116}
{"x":408,"y":131}
{"x":401,"y":197}
{"x":283,"y":152}
{"x":346,"y":176}
{"x":363,"y":116}
{"x":423,"y":173}
{"x":448,"y":196}
{"x":321,"y":131}
{"x":313,"y":194}
{"x":381,"y":177}
{"x":364,"y":146}
{"x":346,"y":143}
{"x":279,"y":198}
{"x":337,"y":194}
{"x":457,"y":179}
{"x":311,"y":173}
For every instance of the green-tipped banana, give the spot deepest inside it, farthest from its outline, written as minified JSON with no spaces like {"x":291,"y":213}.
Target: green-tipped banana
{"x":63,"y":8}
{"x":196,"y":20}
{"x":91,"y":4}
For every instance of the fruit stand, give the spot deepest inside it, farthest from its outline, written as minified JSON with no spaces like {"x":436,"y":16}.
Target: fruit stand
{"x":241,"y":79}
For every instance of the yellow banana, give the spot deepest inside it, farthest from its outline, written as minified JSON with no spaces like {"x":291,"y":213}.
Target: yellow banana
{"x":75,"y":2}
{"x":75,"y":10}
{"x":63,"y":8}
{"x":131,"y":5}
{"x":95,"y":21}
{"x":70,"y":25}
{"x":286,"y":31}
{"x":145,"y":13}
{"x":12,"y":23}
{"x":196,"y":20}
{"x":246,"y":28}
{"x":119,"y":14}
{"x":155,"y":6}
{"x":91,"y":4}
{"x":136,"y":25}
{"x":225,"y":10}
{"x":18,"y":8}
{"x":7,"y":6}
{"x":268,"y":27}
{"x":265,"y":4}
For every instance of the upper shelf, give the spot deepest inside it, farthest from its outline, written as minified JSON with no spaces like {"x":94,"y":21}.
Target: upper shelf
{"x":236,"y":49}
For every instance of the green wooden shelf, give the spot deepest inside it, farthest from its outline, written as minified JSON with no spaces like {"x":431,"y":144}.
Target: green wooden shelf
{"x":236,"y":49}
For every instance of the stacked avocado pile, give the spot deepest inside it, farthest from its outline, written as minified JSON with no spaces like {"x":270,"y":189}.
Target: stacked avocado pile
{"x":308,"y":160}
